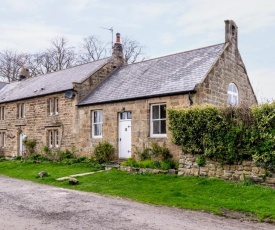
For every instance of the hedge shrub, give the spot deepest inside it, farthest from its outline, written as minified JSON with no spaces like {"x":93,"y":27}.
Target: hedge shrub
{"x":228,"y":135}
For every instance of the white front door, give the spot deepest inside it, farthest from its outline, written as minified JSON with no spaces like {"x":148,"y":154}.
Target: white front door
{"x":124,"y":139}
{"x":21,"y":145}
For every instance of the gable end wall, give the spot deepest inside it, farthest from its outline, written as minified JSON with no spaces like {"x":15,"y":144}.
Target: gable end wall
{"x":228,"y":68}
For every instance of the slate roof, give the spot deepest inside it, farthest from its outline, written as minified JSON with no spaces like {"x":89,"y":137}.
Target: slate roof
{"x":3,"y":84}
{"x":49,"y":83}
{"x":177,"y":73}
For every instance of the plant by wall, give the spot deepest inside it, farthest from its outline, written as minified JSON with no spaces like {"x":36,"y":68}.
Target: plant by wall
{"x":228,"y":135}
{"x":29,"y":145}
{"x":263,"y":135}
{"x":103,"y":152}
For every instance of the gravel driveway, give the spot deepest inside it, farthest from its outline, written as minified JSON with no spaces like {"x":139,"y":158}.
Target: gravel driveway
{"x":27,"y":205}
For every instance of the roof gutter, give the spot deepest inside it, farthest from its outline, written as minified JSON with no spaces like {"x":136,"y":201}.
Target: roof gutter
{"x":189,"y":92}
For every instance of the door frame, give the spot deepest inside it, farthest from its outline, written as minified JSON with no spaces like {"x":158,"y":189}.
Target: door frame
{"x":120,"y":121}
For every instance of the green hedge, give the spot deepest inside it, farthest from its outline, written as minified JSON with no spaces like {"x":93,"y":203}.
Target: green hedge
{"x":228,"y":135}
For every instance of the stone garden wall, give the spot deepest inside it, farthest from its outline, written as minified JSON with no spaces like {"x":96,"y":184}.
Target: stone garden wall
{"x":247,"y":169}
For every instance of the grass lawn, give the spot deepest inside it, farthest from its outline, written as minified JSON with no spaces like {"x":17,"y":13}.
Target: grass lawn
{"x":184,"y":192}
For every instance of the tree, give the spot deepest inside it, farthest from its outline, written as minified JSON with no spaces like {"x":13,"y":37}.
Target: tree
{"x":10,"y":63}
{"x":133,"y":50}
{"x":92,"y":49}
{"x":59,"y":56}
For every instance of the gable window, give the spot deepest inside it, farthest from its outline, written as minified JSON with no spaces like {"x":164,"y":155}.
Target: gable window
{"x":97,"y":123}
{"x":2,"y":139}
{"x":2,"y":112}
{"x":21,"y":110}
{"x":232,"y":95}
{"x":53,"y":138}
{"x":158,"y":120}
{"x":53,"y":106}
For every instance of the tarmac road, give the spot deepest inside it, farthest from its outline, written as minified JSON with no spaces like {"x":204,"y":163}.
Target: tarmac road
{"x":27,"y":205}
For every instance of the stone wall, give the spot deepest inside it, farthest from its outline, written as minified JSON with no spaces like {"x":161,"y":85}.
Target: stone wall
{"x":37,"y":121}
{"x":140,"y":126}
{"x":247,"y":169}
{"x":229,"y":68}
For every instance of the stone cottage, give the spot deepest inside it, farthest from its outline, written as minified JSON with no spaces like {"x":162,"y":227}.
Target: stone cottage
{"x":123,"y":104}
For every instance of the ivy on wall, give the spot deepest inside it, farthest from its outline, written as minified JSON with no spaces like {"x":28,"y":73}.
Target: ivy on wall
{"x":228,"y":135}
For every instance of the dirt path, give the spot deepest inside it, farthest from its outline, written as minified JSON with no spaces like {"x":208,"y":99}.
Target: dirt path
{"x":26,"y":205}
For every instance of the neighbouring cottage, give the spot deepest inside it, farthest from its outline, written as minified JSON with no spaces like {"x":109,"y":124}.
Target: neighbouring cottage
{"x":123,"y":104}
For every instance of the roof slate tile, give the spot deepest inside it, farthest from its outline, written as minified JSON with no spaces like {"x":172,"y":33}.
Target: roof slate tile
{"x":165,"y":75}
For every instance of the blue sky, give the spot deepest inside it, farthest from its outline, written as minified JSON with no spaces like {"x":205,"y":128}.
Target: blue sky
{"x":164,"y":27}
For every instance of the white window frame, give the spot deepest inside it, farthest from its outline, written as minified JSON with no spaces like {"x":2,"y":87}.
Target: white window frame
{"x":2,"y":113}
{"x":232,"y":97}
{"x":53,"y":138}
{"x":56,"y":138}
{"x":100,"y":123}
{"x":2,"y":139}
{"x":21,"y":107}
{"x":157,"y":119}
{"x":51,"y":106}
{"x":56,"y":106}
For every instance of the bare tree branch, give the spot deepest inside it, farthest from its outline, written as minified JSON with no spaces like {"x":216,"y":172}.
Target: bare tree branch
{"x":92,"y":49}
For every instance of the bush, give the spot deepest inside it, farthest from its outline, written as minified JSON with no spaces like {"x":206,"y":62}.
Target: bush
{"x":219,"y":133}
{"x":129,"y":162}
{"x":200,"y":160}
{"x":162,"y":153}
{"x":103,"y":152}
{"x":30,"y":145}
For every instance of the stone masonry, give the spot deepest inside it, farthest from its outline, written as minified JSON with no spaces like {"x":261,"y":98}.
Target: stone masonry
{"x":246,"y":169}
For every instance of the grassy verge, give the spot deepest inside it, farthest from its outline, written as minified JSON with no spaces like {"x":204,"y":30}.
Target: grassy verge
{"x":193,"y":193}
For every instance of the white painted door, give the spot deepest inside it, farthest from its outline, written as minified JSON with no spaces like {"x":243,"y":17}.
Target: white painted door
{"x":21,"y":146}
{"x":125,"y":135}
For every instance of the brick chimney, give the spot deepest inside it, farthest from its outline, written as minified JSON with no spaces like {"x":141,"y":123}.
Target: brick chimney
{"x":118,"y":51}
{"x":231,"y":32}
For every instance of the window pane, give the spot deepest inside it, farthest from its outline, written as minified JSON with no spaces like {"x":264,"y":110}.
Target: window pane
{"x":163,"y":111}
{"x":123,"y":115}
{"x":156,"y":127}
{"x":97,"y":129}
{"x":97,"y":116}
{"x":163,"y":127}
{"x":155,"y":109}
{"x":129,"y":115}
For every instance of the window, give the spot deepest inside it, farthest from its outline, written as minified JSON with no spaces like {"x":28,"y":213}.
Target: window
{"x":97,"y":123}
{"x":2,"y":113}
{"x":53,"y":138}
{"x":21,"y":110}
{"x":125,"y":116}
{"x":158,"y":120}
{"x":53,"y":106}
{"x":232,"y":95}
{"x":2,"y":139}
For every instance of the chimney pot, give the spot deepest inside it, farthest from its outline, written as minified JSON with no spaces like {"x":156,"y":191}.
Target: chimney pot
{"x":117,"y":37}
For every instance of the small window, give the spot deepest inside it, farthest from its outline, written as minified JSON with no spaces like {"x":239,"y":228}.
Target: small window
{"x":97,"y":123}
{"x":21,"y":110}
{"x":125,"y":116}
{"x":53,"y":108}
{"x":2,"y":113}
{"x":232,"y":95}
{"x":158,"y":120}
{"x":2,"y":139}
{"x":53,"y":138}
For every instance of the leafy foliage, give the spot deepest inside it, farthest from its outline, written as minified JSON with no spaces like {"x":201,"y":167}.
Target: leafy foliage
{"x":228,"y":135}
{"x":30,"y":145}
{"x":103,"y":152}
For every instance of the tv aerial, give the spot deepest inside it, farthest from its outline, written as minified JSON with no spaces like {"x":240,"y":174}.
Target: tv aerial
{"x":112,"y":31}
